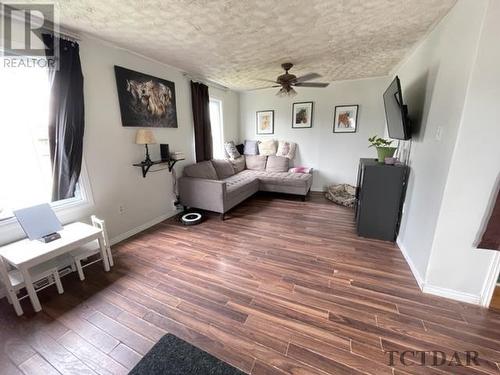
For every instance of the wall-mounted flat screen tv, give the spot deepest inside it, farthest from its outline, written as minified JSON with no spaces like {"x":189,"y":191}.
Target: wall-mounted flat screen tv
{"x":396,"y":112}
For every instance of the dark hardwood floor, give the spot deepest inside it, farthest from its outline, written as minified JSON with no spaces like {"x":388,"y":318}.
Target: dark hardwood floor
{"x":495,"y":300}
{"x":280,"y":287}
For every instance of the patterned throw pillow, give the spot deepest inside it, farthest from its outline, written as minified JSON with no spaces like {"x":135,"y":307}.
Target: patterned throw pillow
{"x":231,"y":150}
{"x":286,"y":149}
{"x":267,"y":147}
{"x":251,"y":148}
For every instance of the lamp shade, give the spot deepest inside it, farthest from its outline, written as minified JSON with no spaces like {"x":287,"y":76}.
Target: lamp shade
{"x":145,"y":137}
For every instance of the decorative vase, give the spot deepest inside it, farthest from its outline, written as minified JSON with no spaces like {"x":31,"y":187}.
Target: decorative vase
{"x":385,"y":152}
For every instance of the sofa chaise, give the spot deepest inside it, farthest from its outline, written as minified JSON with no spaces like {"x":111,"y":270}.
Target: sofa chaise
{"x":219,"y":185}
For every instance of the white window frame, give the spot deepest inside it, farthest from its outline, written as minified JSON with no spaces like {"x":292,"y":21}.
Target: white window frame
{"x":67,"y":210}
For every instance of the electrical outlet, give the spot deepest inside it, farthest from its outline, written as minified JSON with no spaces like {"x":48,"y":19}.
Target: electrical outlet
{"x":121,"y":209}
{"x":439,"y":133}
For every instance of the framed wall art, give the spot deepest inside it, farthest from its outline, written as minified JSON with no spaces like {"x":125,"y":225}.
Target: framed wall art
{"x":145,"y":101}
{"x":345,"y":119}
{"x":265,"y":122}
{"x":302,"y":115}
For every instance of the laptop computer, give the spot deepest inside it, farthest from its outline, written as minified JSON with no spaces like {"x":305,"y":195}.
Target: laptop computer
{"x":39,"y":222}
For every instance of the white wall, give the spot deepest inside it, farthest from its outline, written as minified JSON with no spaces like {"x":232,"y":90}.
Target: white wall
{"x":334,"y":156}
{"x":474,"y":177}
{"x":109,"y":148}
{"x":434,"y":81}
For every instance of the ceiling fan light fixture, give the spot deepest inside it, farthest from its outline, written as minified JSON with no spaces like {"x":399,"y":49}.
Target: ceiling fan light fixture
{"x":282,"y":93}
{"x":286,"y":92}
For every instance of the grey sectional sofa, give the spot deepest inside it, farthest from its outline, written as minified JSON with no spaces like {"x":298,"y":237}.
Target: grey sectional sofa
{"x":219,"y":185}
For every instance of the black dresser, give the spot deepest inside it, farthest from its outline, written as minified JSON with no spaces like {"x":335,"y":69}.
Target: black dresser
{"x":380,"y":196}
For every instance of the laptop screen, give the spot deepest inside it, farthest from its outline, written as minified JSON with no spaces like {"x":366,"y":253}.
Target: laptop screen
{"x":38,"y":221}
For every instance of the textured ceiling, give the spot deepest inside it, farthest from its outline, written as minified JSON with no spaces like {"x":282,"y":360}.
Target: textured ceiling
{"x":234,"y":42}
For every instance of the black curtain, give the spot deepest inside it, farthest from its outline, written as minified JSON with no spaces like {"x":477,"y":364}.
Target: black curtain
{"x":66,"y":117}
{"x":201,"y":118}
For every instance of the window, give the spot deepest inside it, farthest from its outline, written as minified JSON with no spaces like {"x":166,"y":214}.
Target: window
{"x":217,"y":128}
{"x":25,"y":167}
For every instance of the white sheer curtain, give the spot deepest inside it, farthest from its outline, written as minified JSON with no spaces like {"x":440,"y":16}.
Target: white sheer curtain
{"x":216,"y":123}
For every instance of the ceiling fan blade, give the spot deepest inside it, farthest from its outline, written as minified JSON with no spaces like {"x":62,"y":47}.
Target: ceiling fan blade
{"x":262,"y":88}
{"x":311,"y":84}
{"x":307,"y":77}
{"x":266,"y":80}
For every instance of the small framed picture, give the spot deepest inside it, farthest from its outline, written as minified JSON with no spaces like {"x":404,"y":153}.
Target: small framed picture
{"x":345,"y":119}
{"x":265,"y":122}
{"x":302,"y":115}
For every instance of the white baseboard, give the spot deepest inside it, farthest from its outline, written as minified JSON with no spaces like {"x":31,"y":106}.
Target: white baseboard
{"x":418,"y":277}
{"x":491,"y":281}
{"x":318,"y":190}
{"x":141,"y":227}
{"x":425,"y":287}
{"x":452,"y":294}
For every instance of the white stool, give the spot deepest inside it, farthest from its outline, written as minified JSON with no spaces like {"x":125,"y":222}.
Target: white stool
{"x":13,"y":281}
{"x":90,"y":249}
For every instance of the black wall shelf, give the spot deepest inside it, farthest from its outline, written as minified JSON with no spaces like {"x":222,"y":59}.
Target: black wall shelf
{"x":146,"y":165}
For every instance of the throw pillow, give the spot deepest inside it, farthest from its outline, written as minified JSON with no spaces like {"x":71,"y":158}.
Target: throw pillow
{"x":231,"y":150}
{"x":277,"y":164}
{"x":300,"y":170}
{"x":286,"y":149}
{"x":267,"y":147}
{"x":224,"y":168}
{"x":240,"y":148}
{"x":203,"y":169}
{"x":238,"y":164}
{"x":256,"y":162}
{"x":251,"y":148}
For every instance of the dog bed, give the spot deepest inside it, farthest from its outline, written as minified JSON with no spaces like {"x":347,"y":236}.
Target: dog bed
{"x":342,"y":194}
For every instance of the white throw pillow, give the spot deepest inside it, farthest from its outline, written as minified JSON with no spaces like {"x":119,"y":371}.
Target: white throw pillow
{"x":267,"y":147}
{"x":251,"y":148}
{"x":286,"y":149}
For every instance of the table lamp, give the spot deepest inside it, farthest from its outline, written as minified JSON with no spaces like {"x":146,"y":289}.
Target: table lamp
{"x":145,"y":137}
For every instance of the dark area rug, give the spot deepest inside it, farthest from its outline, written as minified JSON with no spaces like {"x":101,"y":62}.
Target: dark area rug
{"x":171,"y":355}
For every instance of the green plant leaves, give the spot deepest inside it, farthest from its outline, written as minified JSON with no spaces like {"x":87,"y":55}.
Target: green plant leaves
{"x":376,"y":141}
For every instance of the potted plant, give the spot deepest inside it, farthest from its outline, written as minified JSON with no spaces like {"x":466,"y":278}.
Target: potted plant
{"x":383,"y":148}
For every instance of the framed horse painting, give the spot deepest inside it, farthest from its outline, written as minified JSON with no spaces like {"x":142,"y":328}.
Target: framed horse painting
{"x":345,"y":119}
{"x":145,"y":101}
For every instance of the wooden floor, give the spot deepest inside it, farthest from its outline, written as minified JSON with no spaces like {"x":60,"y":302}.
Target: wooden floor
{"x":495,"y":300}
{"x":281,"y":287}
